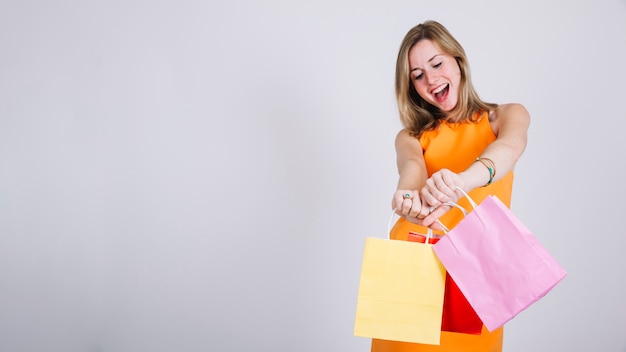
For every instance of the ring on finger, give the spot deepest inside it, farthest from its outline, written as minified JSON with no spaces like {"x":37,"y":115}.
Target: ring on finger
{"x":407,"y":196}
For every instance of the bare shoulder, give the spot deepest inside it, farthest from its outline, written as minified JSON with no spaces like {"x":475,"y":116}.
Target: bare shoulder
{"x":510,"y":113}
{"x":405,"y":140}
{"x":404,"y":136}
{"x":511,"y":109}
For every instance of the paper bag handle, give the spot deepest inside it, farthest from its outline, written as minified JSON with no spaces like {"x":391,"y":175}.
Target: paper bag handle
{"x":453,"y":204}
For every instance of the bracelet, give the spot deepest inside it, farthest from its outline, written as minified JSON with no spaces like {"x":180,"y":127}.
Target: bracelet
{"x":491,"y":166}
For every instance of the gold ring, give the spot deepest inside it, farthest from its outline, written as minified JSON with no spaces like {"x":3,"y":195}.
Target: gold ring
{"x":407,"y":196}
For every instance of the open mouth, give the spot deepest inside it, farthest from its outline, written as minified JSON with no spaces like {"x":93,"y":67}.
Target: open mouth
{"x":442,"y":92}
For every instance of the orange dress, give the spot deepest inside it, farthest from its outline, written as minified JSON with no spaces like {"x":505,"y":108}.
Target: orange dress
{"x":454,"y":146}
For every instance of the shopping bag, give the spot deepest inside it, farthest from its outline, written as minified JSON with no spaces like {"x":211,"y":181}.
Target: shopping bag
{"x":497,"y":263}
{"x":458,"y":315}
{"x":401,"y":292}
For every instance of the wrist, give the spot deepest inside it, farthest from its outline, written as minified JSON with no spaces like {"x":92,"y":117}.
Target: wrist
{"x":490,"y":166}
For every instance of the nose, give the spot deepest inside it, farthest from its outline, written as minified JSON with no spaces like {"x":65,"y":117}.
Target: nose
{"x":430,"y":77}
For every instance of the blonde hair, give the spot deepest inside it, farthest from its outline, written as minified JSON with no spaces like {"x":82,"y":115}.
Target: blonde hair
{"x":416,"y":114}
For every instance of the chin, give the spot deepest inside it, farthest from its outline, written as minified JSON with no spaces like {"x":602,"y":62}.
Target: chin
{"x":446,"y":110}
{"x":447,"y":107}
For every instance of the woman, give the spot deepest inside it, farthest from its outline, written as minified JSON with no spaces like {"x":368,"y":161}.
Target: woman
{"x":451,"y":138}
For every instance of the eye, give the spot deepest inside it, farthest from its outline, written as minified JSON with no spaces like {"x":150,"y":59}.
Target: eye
{"x":418,"y":76}
{"x":437,"y":65}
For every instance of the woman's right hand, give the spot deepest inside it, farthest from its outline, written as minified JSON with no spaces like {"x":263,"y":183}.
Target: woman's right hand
{"x":408,"y":204}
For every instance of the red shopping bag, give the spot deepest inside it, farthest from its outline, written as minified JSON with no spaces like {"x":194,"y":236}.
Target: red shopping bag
{"x":458,"y":314}
{"x":497,"y":263}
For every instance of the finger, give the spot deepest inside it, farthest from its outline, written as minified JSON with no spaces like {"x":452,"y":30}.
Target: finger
{"x":438,"y":212}
{"x":414,"y":220}
{"x":427,"y":194}
{"x":397,"y":203}
{"x":436,"y":226}
{"x":398,"y":200}
{"x":448,"y":184}
{"x":405,"y":207}
{"x":406,"y":202}
{"x":424,"y":210}
{"x":441,"y":190}
{"x":416,"y":208}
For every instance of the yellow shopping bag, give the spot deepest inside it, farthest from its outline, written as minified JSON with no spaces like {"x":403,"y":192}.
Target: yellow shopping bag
{"x":401,"y":292}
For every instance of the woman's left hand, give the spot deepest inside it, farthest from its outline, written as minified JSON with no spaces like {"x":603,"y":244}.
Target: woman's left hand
{"x":440,"y":188}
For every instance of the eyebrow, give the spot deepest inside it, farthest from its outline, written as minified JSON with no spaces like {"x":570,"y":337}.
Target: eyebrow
{"x":431,"y":59}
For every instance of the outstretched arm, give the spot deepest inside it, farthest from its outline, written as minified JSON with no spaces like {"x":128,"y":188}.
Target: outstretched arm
{"x":510,"y":123}
{"x":412,"y":177}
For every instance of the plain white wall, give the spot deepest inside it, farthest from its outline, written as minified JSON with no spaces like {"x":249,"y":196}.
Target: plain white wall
{"x":201,"y":175}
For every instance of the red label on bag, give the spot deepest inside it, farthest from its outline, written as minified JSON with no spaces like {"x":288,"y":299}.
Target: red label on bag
{"x":418,"y":237}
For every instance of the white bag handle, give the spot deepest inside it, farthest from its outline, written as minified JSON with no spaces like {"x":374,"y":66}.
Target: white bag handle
{"x":452,"y":204}
{"x":468,"y":197}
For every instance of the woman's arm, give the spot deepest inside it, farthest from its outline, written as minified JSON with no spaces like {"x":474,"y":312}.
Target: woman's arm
{"x":510,"y":123}
{"x":412,"y":176}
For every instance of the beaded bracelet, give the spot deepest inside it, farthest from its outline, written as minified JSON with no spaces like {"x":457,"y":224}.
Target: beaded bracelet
{"x":491,"y":166}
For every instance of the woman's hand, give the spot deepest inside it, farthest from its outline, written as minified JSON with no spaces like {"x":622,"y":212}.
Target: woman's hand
{"x":441,"y":187}
{"x":408,"y":204}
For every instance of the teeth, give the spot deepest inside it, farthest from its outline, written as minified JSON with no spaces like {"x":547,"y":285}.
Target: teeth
{"x":440,"y":89}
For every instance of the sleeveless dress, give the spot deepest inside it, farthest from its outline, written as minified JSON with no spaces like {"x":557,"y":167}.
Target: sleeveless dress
{"x":454,"y":146}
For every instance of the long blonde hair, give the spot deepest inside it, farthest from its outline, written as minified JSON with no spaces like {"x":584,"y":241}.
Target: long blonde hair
{"x":416,"y":114}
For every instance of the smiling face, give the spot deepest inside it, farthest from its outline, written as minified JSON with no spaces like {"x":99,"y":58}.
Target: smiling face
{"x":435,"y":75}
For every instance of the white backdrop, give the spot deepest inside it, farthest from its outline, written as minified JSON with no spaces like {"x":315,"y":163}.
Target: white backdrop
{"x":201,"y":175}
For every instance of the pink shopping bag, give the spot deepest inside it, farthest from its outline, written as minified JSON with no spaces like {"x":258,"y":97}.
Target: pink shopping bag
{"x":497,"y":263}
